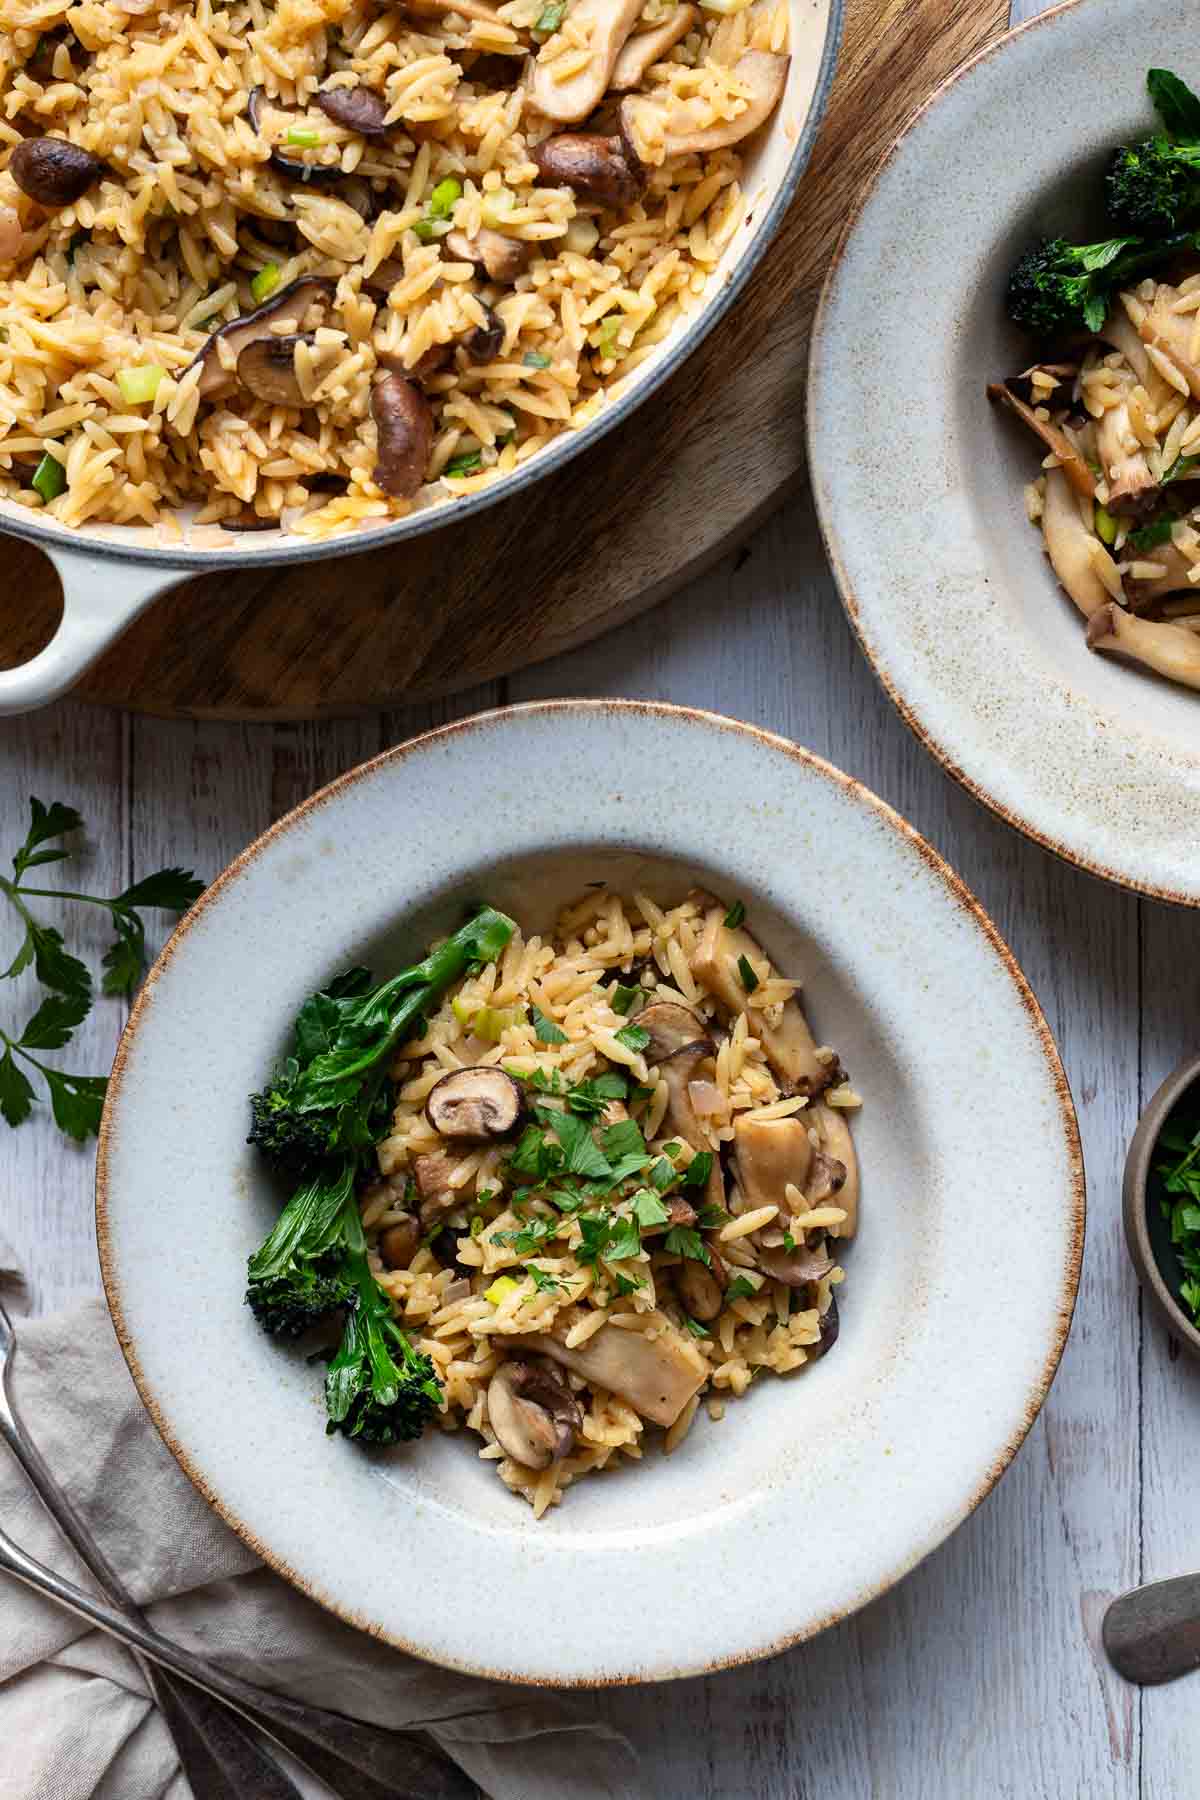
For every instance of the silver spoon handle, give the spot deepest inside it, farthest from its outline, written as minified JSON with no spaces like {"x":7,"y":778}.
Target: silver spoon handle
{"x":397,"y":1765}
{"x":1152,"y":1633}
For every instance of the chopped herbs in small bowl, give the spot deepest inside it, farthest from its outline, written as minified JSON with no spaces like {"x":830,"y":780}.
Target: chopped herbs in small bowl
{"x":1162,"y":1203}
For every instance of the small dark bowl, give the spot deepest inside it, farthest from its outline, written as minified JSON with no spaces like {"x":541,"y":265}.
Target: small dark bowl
{"x":1145,"y":1230}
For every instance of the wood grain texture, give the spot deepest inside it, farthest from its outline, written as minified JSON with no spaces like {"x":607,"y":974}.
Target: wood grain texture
{"x":980,"y":1677}
{"x":700,"y":464}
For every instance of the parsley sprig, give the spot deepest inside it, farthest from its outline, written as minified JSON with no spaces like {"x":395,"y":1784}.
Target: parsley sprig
{"x":76,"y":1100}
{"x":1179,"y":1177}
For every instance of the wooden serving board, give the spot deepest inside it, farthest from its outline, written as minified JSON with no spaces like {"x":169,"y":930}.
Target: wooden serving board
{"x":700,"y":464}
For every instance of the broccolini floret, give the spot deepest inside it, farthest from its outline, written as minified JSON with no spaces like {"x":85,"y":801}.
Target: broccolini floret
{"x":377,"y":1387}
{"x":300,"y":1273}
{"x":1060,"y":287}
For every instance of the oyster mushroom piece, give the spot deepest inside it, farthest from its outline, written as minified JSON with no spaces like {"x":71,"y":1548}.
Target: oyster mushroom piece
{"x":358,"y":108}
{"x":533,"y":1413}
{"x":53,"y":171}
{"x":1053,"y":436}
{"x":474,"y":1104}
{"x":1132,"y":489}
{"x":1069,"y":546}
{"x":794,"y":1268}
{"x":789,"y":1046}
{"x":404,"y":424}
{"x":607,"y":24}
{"x":498,"y":257}
{"x":291,"y":302}
{"x":588,"y":162}
{"x":681,"y":1119}
{"x":839,"y":1148}
{"x":1143,"y":591}
{"x":770,"y":1153}
{"x":658,"y":1376}
{"x":672,"y":1027}
{"x":645,"y":120}
{"x":648,"y":47}
{"x":1170,"y":650}
{"x":466,"y":9}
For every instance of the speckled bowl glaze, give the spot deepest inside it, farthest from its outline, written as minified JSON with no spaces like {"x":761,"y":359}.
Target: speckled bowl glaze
{"x":919,"y":483}
{"x":873,"y":1455}
{"x":1146,"y":1234}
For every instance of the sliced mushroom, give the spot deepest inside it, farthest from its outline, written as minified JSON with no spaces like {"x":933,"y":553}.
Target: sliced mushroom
{"x":648,"y":47}
{"x":498,"y":257}
{"x":839,"y":1149}
{"x":1171,"y":650}
{"x":1170,"y":333}
{"x":466,"y":9}
{"x":474,"y":1104}
{"x":604,"y":168}
{"x":1069,"y":545}
{"x":400,"y":1243}
{"x":483,"y":345}
{"x":358,"y":108}
{"x":404,"y":425}
{"x":316,"y":174}
{"x":53,"y":171}
{"x":432,"y":1173}
{"x":291,"y":302}
{"x":794,"y":1268}
{"x":606,"y":24}
{"x":647,"y":121}
{"x":1144,"y":591}
{"x":672,"y":1027}
{"x":266,"y":368}
{"x":1055,"y":439}
{"x":658,"y":1375}
{"x":770,"y":1154}
{"x":533,"y":1413}
{"x":701,"y":1287}
{"x":681,"y":1119}
{"x":789,"y":1046}
{"x":829,"y":1332}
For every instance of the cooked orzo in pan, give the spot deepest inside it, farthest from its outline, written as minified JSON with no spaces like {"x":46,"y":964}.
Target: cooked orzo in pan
{"x":315,"y":262}
{"x":614,"y":1176}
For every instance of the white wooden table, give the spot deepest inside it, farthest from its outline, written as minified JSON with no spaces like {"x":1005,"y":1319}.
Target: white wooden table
{"x":981,"y":1675}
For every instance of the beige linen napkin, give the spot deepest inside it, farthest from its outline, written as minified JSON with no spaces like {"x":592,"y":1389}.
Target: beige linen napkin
{"x":75,"y":1719}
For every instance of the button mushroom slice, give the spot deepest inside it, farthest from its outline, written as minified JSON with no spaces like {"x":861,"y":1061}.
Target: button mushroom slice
{"x":357,"y":108}
{"x":1069,"y":545}
{"x":294,"y":167}
{"x":658,"y":1375}
{"x":771,"y":1153}
{"x":474,"y":1104}
{"x":533,"y":1413}
{"x":1053,"y":436}
{"x":399,"y":1243}
{"x":291,"y":302}
{"x":1170,"y":333}
{"x":498,"y":257}
{"x":607,"y":24}
{"x":647,"y":121}
{"x":647,"y":47}
{"x":1171,"y":650}
{"x":839,"y":1149}
{"x":404,"y":426}
{"x":53,"y":171}
{"x":789,"y":1046}
{"x":588,"y":162}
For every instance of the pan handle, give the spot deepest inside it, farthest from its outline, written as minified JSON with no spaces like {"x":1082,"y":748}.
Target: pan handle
{"x":100,"y":598}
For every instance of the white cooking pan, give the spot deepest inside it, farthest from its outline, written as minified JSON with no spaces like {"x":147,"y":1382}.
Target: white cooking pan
{"x":111,"y":573}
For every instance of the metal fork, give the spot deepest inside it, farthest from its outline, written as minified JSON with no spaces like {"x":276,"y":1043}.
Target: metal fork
{"x":221,"y":1759}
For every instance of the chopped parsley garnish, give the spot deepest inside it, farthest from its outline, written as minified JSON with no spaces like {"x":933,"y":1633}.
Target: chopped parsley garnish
{"x":592,"y":1097}
{"x":623,"y":998}
{"x":536,"y":1154}
{"x":466,"y":464}
{"x":1179,"y":1176}
{"x":749,"y":978}
{"x":629,"y":1284}
{"x":529,"y":1239}
{"x":624,"y":1240}
{"x":673,"y":1148}
{"x":698,"y":1170}
{"x":711,"y":1218}
{"x":634,"y":1037}
{"x":545,"y":1030}
{"x":639,"y":1094}
{"x":695,"y":1327}
{"x":686,"y":1242}
{"x":1183,"y":465}
{"x":543,"y":1281}
{"x":662,"y":1174}
{"x":533,"y":359}
{"x":648,"y":1209}
{"x":582,"y":1154}
{"x":735,"y":915}
{"x":740,"y":1289}
{"x":1149,"y":537}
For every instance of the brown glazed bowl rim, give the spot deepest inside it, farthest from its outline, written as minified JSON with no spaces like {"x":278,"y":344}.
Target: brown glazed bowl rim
{"x":1135,"y":1199}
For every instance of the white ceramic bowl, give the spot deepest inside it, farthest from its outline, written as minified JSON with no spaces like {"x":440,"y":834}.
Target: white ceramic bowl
{"x":813,"y":1494}
{"x":112,"y":573}
{"x":919,"y":482}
